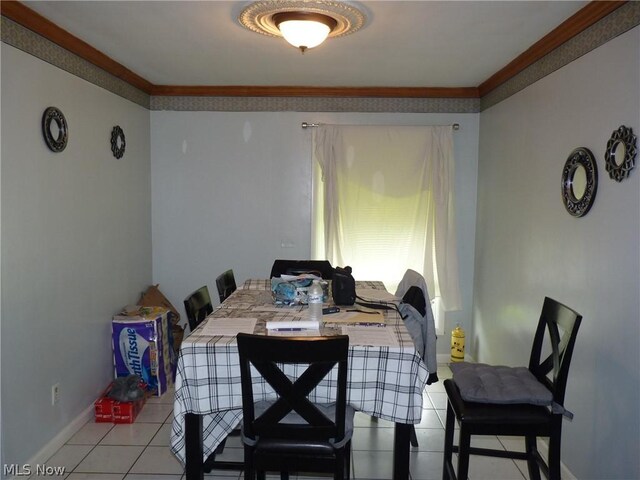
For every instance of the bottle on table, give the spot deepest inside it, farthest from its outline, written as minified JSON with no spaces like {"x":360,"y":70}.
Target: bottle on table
{"x":314,"y":300}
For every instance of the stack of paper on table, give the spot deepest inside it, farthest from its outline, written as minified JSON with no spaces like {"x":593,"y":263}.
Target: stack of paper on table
{"x":295,"y":323}
{"x":356,"y":314}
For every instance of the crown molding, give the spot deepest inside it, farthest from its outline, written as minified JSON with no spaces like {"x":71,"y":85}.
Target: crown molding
{"x":35,"y":22}
{"x":577,"y":23}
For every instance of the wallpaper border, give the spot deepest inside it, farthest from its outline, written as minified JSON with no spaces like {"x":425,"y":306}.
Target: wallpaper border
{"x":29,"y":42}
{"x":616,"y":23}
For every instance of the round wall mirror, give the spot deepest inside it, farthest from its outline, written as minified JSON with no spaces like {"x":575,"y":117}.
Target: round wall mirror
{"x":579,"y":182}
{"x":117,"y":142}
{"x":620,"y":157}
{"x":54,"y":129}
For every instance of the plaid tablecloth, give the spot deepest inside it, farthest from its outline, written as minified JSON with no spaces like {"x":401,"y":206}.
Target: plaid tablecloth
{"x":386,"y":382}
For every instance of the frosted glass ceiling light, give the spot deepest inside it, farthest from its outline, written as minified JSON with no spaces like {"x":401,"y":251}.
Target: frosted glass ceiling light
{"x":303,"y":23}
{"x":304,"y":30}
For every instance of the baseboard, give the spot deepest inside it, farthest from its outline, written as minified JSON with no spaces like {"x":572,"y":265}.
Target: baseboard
{"x":59,"y":440}
{"x":565,"y":473}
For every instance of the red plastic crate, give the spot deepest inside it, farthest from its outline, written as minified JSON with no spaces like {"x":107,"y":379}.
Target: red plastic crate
{"x":113,"y":411}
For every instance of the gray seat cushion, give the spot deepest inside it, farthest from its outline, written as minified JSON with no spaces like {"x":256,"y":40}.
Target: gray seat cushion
{"x":479,"y":382}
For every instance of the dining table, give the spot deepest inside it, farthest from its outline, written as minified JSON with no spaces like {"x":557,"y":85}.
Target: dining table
{"x":386,"y":380}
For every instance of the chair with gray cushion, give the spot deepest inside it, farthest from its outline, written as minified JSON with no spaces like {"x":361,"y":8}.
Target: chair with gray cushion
{"x":514,"y":401}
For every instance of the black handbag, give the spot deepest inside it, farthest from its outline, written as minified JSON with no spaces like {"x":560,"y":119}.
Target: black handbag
{"x":343,"y":286}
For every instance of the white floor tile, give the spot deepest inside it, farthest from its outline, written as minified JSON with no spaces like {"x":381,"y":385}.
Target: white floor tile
{"x":151,"y":476}
{"x":430,"y":440}
{"x":162,"y":436}
{"x":154,"y":413}
{"x":438,"y":400}
{"x":491,"y":468}
{"x":374,"y":439}
{"x":425,"y":465}
{"x":96,"y":476}
{"x":91,"y":433}
{"x":131,"y":434}
{"x":69,"y":456}
{"x":372,"y":465}
{"x":157,"y":460}
{"x":429,"y":419}
{"x":109,"y":459}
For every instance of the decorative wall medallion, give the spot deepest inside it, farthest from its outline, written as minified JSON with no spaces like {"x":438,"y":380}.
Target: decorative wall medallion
{"x":579,"y":182}
{"x":117,"y":142}
{"x":620,"y":157}
{"x":55,"y":129}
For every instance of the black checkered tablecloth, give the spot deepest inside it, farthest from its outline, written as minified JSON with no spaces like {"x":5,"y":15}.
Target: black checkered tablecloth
{"x":386,"y":382}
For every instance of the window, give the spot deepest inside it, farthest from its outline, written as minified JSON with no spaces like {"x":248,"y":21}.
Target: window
{"x":383,"y":203}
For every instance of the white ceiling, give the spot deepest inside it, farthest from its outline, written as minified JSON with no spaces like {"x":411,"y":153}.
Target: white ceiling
{"x":403,"y":44}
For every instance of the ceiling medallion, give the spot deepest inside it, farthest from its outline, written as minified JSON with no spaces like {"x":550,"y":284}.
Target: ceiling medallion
{"x":266,"y":17}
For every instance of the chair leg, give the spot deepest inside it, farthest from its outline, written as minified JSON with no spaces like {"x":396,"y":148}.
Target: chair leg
{"x":463,"y":453}
{"x":447,"y":467}
{"x":532,"y":457}
{"x":554,"y":451}
{"x":284,"y":475}
{"x":413,"y":438}
{"x":249,"y":471}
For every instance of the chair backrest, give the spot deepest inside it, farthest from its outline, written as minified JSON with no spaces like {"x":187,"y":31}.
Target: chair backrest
{"x":226,"y":284}
{"x":269,"y":356}
{"x":198,"y":306}
{"x":322,"y":268}
{"x":561,"y":323}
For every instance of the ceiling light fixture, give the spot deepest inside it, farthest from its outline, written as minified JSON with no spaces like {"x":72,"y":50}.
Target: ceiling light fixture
{"x":305,"y":23}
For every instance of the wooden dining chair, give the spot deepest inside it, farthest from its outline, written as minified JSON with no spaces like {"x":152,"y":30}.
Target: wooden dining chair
{"x":226,"y":284}
{"x":292,"y":434}
{"x":197,"y":306}
{"x":321,"y":268}
{"x":488,"y":400}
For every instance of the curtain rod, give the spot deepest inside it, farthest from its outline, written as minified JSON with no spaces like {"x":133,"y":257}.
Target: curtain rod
{"x":455,"y":126}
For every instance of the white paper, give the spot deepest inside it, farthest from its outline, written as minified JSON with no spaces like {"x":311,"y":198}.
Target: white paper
{"x":228,"y":327}
{"x":371,"y":336}
{"x":282,"y":309}
{"x":376,"y":295}
{"x":293,"y":325}
{"x":297,"y":333}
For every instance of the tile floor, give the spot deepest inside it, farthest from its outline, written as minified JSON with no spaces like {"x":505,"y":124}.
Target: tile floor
{"x":140,"y":451}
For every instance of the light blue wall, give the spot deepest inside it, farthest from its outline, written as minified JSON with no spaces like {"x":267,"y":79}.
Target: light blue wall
{"x":76,"y":246}
{"x":233,"y":190}
{"x":529,"y":247}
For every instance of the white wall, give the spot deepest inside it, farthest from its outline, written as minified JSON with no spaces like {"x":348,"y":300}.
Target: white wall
{"x":233,"y":190}
{"x":76,"y":245}
{"x":529,"y":247}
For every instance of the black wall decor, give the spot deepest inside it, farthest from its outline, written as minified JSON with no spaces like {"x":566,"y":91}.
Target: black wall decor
{"x":579,"y":182}
{"x":117,"y":142}
{"x":55,"y":129}
{"x":620,"y":157}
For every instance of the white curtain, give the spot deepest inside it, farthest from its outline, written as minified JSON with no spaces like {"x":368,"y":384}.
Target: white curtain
{"x":385,"y":204}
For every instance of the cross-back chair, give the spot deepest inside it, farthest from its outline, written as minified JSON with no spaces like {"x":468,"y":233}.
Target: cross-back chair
{"x":292,"y":433}
{"x":321,"y":268}
{"x":532,"y":407}
{"x":197,"y":306}
{"x":226,"y":284}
